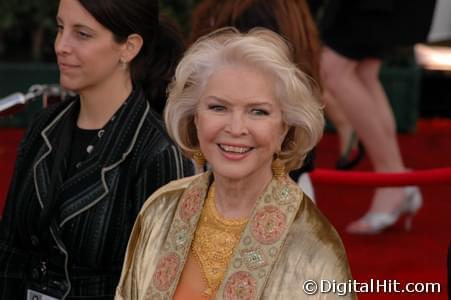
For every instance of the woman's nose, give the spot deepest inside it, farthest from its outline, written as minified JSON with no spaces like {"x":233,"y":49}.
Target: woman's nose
{"x":62,"y":44}
{"x":237,"y":125}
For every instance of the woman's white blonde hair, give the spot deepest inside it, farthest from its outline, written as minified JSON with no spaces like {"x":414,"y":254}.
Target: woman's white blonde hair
{"x":264,"y":51}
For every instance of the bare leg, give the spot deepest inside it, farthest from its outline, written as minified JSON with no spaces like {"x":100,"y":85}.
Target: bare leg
{"x":368,"y":72}
{"x":339,"y":120}
{"x":365,"y":112}
{"x":360,"y":95}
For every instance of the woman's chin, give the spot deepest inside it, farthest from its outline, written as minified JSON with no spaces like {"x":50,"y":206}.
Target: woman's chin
{"x":237,"y":174}
{"x":69,"y":86}
{"x":234,"y":175}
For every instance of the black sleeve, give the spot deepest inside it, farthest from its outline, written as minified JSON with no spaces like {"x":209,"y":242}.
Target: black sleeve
{"x":12,"y":259}
{"x":164,"y":166}
{"x":21,"y":165}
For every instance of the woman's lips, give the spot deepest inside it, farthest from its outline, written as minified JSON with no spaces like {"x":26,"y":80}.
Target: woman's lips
{"x":64,"y":67}
{"x":234,"y":149}
{"x":233,"y":152}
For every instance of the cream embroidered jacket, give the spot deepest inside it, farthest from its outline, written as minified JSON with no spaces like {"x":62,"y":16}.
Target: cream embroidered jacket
{"x":286,"y":242}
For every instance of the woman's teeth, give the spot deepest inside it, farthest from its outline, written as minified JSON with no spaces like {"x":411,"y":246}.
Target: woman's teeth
{"x":234,"y":149}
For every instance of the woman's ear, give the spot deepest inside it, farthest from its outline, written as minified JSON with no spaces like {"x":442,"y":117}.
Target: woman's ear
{"x":131,"y":47}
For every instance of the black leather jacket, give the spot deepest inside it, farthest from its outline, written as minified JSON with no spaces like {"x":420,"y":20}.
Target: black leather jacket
{"x":80,"y":254}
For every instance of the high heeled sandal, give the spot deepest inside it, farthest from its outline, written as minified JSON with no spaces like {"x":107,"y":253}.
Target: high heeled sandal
{"x":379,"y":221}
{"x":352,"y":156}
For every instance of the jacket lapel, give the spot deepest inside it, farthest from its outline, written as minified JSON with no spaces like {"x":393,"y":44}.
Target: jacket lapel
{"x":173,"y":256}
{"x":254,"y":256}
{"x":44,"y":162}
{"x":261,"y":241}
{"x":98,"y":175}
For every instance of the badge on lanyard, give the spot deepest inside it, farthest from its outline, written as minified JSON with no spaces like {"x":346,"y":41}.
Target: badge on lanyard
{"x":34,"y":295}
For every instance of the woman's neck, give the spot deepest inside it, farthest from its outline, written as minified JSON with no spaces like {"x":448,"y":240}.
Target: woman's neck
{"x":235,"y":199}
{"x":98,"y":105}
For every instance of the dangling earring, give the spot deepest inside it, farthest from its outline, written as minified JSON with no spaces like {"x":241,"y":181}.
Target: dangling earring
{"x":278,"y":168}
{"x":200,"y":161}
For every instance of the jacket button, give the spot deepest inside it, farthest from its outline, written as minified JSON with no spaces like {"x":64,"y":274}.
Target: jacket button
{"x":35,"y":274}
{"x":34,"y":240}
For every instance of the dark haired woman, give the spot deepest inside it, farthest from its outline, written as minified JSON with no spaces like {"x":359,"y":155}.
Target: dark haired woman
{"x":87,"y":165}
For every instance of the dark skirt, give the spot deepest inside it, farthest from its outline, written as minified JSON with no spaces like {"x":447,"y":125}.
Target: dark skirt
{"x":371,"y":28}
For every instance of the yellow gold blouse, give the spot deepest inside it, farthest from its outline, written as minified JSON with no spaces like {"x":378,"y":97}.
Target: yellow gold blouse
{"x":213,"y":242}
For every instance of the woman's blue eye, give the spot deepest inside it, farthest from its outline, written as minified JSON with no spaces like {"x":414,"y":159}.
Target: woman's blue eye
{"x":217,"y":108}
{"x":259,"y":112}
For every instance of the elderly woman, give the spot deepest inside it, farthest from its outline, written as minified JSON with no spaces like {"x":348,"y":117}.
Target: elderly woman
{"x":243,"y":230}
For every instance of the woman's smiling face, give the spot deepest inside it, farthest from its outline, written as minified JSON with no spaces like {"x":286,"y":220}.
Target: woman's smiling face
{"x":239,"y":122}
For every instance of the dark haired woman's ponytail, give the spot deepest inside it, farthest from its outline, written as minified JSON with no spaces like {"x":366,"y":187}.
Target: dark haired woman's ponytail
{"x":167,"y":51}
{"x":163,"y":46}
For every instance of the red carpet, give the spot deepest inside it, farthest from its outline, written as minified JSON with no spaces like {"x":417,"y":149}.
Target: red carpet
{"x":9,"y":141}
{"x":418,"y":256}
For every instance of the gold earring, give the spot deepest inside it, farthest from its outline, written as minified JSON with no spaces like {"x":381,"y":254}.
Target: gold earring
{"x":199,"y":159}
{"x":278,"y":168}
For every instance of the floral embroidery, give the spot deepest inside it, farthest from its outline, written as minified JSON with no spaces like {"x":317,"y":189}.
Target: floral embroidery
{"x":237,"y":263}
{"x":180,"y":237}
{"x":190,"y":204}
{"x":268,"y":224}
{"x":273,"y":251}
{"x":240,"y":286}
{"x":253,"y":258}
{"x":166,"y":271}
{"x":285,"y":194}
